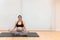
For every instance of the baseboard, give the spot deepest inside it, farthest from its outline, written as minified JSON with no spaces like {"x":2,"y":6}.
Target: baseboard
{"x":34,"y":30}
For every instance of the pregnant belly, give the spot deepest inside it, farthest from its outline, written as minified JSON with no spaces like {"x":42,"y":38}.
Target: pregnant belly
{"x":19,"y":28}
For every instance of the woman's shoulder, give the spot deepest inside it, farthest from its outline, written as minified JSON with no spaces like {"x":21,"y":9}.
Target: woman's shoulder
{"x":16,"y":21}
{"x":23,"y":22}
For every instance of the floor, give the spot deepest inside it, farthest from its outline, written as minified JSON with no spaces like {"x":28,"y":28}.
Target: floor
{"x":44,"y":35}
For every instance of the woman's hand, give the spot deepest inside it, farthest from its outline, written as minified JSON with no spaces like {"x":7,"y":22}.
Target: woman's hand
{"x":9,"y":30}
{"x":26,"y":30}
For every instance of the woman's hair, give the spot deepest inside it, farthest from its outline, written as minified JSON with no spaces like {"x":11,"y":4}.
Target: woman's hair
{"x":19,"y":16}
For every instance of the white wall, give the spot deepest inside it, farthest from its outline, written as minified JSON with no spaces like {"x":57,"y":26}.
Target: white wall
{"x":9,"y":9}
{"x":57,"y":15}
{"x":36,"y":13}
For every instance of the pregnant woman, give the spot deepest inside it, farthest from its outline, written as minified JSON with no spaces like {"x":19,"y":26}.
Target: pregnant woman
{"x":20,"y":27}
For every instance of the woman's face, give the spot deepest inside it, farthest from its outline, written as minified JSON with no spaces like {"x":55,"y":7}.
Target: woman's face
{"x":19,"y":18}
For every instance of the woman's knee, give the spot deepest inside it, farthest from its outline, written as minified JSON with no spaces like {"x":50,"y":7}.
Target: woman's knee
{"x":13,"y":31}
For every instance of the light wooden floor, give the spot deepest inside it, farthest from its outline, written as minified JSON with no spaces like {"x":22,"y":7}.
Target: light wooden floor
{"x":44,"y":35}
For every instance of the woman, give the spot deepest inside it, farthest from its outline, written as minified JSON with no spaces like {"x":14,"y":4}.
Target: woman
{"x":20,"y":27}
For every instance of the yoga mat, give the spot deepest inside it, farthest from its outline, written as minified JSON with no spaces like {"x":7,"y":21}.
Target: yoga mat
{"x":7,"y":34}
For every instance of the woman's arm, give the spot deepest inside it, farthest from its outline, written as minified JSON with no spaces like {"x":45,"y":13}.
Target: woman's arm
{"x":13,"y":27}
{"x":24,"y":26}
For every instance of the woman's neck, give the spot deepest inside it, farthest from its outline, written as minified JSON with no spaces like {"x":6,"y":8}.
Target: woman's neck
{"x":19,"y":20}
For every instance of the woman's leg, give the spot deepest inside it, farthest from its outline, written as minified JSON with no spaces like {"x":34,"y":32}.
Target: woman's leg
{"x":15,"y":32}
{"x":22,"y":32}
